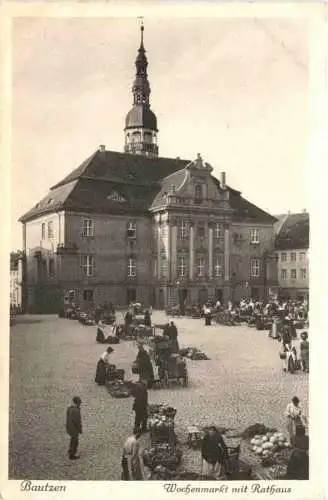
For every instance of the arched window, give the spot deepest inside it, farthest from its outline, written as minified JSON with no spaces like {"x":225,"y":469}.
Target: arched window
{"x":136,"y":137}
{"x":198,"y":192}
{"x":148,"y":137}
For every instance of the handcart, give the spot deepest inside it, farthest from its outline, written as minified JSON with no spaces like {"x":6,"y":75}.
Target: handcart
{"x":171,"y":367}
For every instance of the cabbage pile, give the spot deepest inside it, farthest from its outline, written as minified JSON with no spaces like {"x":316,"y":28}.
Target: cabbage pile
{"x":268,"y":444}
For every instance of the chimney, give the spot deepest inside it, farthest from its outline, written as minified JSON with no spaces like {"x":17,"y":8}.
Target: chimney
{"x":223,"y":180}
{"x":102,"y":148}
{"x":304,"y":211}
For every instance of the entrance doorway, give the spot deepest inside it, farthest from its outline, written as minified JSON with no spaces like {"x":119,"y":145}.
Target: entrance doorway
{"x":202,"y":296}
{"x":131,"y":295}
{"x":183,"y":294}
{"x":161,"y":300}
{"x":219,"y":295}
{"x":255,"y":292}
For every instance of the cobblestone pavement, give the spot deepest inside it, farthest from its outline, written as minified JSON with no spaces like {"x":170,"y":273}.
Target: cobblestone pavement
{"x":53,"y":359}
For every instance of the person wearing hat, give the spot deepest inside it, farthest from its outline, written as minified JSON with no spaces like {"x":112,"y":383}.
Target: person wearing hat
{"x":74,"y":426}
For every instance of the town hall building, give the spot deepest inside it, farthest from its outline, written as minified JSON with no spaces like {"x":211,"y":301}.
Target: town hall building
{"x":135,"y":226}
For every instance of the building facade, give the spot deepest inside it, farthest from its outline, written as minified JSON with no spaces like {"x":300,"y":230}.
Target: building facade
{"x":16,"y":279}
{"x":292,"y":250}
{"x":135,"y":226}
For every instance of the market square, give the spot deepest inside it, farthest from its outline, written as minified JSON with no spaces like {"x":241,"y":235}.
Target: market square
{"x":53,"y":359}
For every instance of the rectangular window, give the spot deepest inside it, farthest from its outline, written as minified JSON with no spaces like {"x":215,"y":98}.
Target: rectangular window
{"x":43,"y":231}
{"x":87,"y":227}
{"x":132,"y":230}
{"x":132,"y":267}
{"x":293,"y":256}
{"x":218,"y":265}
{"x":255,"y":268}
{"x":303,"y":274}
{"x":182,"y":266}
{"x":44,"y":268}
{"x":88,"y":265}
{"x":88,"y":295}
{"x":51,"y":267}
{"x":284,"y":274}
{"x":183,"y":229}
{"x":200,"y":266}
{"x":293,"y":274}
{"x":218,"y":232}
{"x":302,"y":256}
{"x":163,"y":267}
{"x":50,"y":230}
{"x":164,"y":231}
{"x":284,"y":257}
{"x":201,"y":230}
{"x":255,"y":236}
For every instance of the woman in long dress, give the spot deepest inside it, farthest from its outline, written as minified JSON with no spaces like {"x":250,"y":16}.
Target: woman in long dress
{"x":146,"y":370}
{"x":294,"y":417}
{"x":102,"y":367}
{"x":100,"y":338}
{"x":214,"y":450}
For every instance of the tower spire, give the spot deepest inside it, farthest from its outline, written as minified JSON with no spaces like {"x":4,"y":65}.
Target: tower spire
{"x":141,"y":123}
{"x":141,"y":30}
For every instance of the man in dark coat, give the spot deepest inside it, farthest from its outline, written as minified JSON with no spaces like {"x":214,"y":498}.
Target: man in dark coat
{"x":140,"y":407}
{"x":147,"y":319}
{"x":172,"y":333}
{"x":146,"y":371}
{"x":74,"y":427}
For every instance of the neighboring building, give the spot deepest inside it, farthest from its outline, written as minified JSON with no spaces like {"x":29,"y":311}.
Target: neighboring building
{"x":292,"y":247}
{"x":16,"y":277}
{"x":135,"y":226}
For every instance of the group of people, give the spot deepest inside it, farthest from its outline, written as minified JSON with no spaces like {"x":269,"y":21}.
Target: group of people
{"x":288,"y":352}
{"x":254,"y":311}
{"x":133,"y":311}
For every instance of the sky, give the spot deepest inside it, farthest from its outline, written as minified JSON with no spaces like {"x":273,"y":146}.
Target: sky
{"x":233,"y":90}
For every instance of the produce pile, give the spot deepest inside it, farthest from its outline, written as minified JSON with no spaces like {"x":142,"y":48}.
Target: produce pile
{"x":161,"y":422}
{"x":270,"y":447}
{"x":161,"y":410}
{"x":193,"y":353}
{"x":120,"y":389}
{"x":163,"y":455}
{"x":254,"y":430}
{"x":142,"y":331}
{"x":161,"y":473}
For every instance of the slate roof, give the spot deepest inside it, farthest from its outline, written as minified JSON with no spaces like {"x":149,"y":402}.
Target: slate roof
{"x":292,"y":231}
{"x":141,"y":181}
{"x":175,"y":179}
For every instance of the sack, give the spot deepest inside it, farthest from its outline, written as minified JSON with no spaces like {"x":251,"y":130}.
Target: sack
{"x":135,"y":368}
{"x":282,"y":355}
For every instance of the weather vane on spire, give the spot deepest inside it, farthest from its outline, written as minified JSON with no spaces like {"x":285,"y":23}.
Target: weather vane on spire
{"x":141,"y":27}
